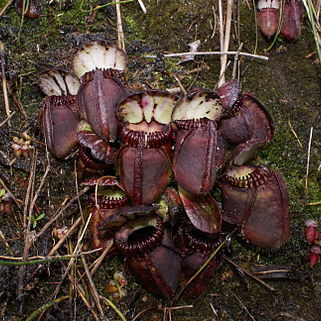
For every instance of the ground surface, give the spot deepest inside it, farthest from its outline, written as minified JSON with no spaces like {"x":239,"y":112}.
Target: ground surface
{"x":289,"y":87}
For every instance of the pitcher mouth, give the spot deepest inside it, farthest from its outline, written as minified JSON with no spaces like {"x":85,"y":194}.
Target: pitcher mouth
{"x":151,"y":136}
{"x":109,"y":193}
{"x":139,"y":237}
{"x":200,"y":241}
{"x":247,"y":176}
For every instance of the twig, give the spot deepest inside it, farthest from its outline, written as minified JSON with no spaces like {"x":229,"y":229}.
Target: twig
{"x":4,"y":83}
{"x":77,"y":190}
{"x":314,"y":23}
{"x":287,"y":315}
{"x":219,"y":80}
{"x":31,"y":238}
{"x":168,"y":311}
{"x":248,"y":273}
{"x":142,"y":312}
{"x":23,"y":263}
{"x":61,"y":211}
{"x":295,"y":134}
{"x":5,"y":7}
{"x":96,"y":265}
{"x":32,"y":205}
{"x":40,"y":259}
{"x":81,"y":292}
{"x":308,"y":160}
{"x":180,"y":307}
{"x":55,"y":248}
{"x":179,"y":83}
{"x":216,"y":53}
{"x":46,"y":307}
{"x":93,"y":288}
{"x":2,"y":183}
{"x":256,"y":27}
{"x":215,"y":22}
{"x":141,"y":3}
{"x":221,"y":28}
{"x":214,"y":310}
{"x":19,"y":105}
{"x":7,"y":119}
{"x":25,"y":7}
{"x":242,"y":305}
{"x":120,"y":32}
{"x":29,"y":190}
{"x":62,"y":240}
{"x":236,"y":60}
{"x":28,"y":236}
{"x":237,"y":64}
{"x":227,"y":34}
{"x":76,"y":251}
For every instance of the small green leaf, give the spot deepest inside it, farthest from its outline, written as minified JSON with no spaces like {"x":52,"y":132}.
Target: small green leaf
{"x":2,"y":192}
{"x":42,"y":215}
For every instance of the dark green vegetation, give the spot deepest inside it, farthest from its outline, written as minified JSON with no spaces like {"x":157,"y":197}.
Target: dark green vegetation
{"x":288,"y":85}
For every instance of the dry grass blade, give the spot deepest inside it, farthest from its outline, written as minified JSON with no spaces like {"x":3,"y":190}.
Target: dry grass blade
{"x":82,"y":295}
{"x":4,"y":83}
{"x":290,"y":316}
{"x":236,"y":63}
{"x":29,"y":191}
{"x":18,"y":103}
{"x":295,"y":134}
{"x":214,"y":26}
{"x":5,"y":7}
{"x":256,"y":28}
{"x":75,"y":253}
{"x":227,"y":34}
{"x":62,"y":210}
{"x":141,"y":3}
{"x":308,"y":161}
{"x":40,"y":259}
{"x":17,"y":201}
{"x":242,"y":305}
{"x":93,"y":289}
{"x":214,"y":311}
{"x":97,"y":263}
{"x":28,"y":236}
{"x":7,"y":119}
{"x":248,"y":273}
{"x":142,"y":312}
{"x":33,"y":203}
{"x":179,"y":83}
{"x":313,"y":17}
{"x":221,"y":27}
{"x":120,"y":32}
{"x":66,"y":235}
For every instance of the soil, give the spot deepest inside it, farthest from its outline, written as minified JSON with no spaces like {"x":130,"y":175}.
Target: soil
{"x":288,"y":85}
